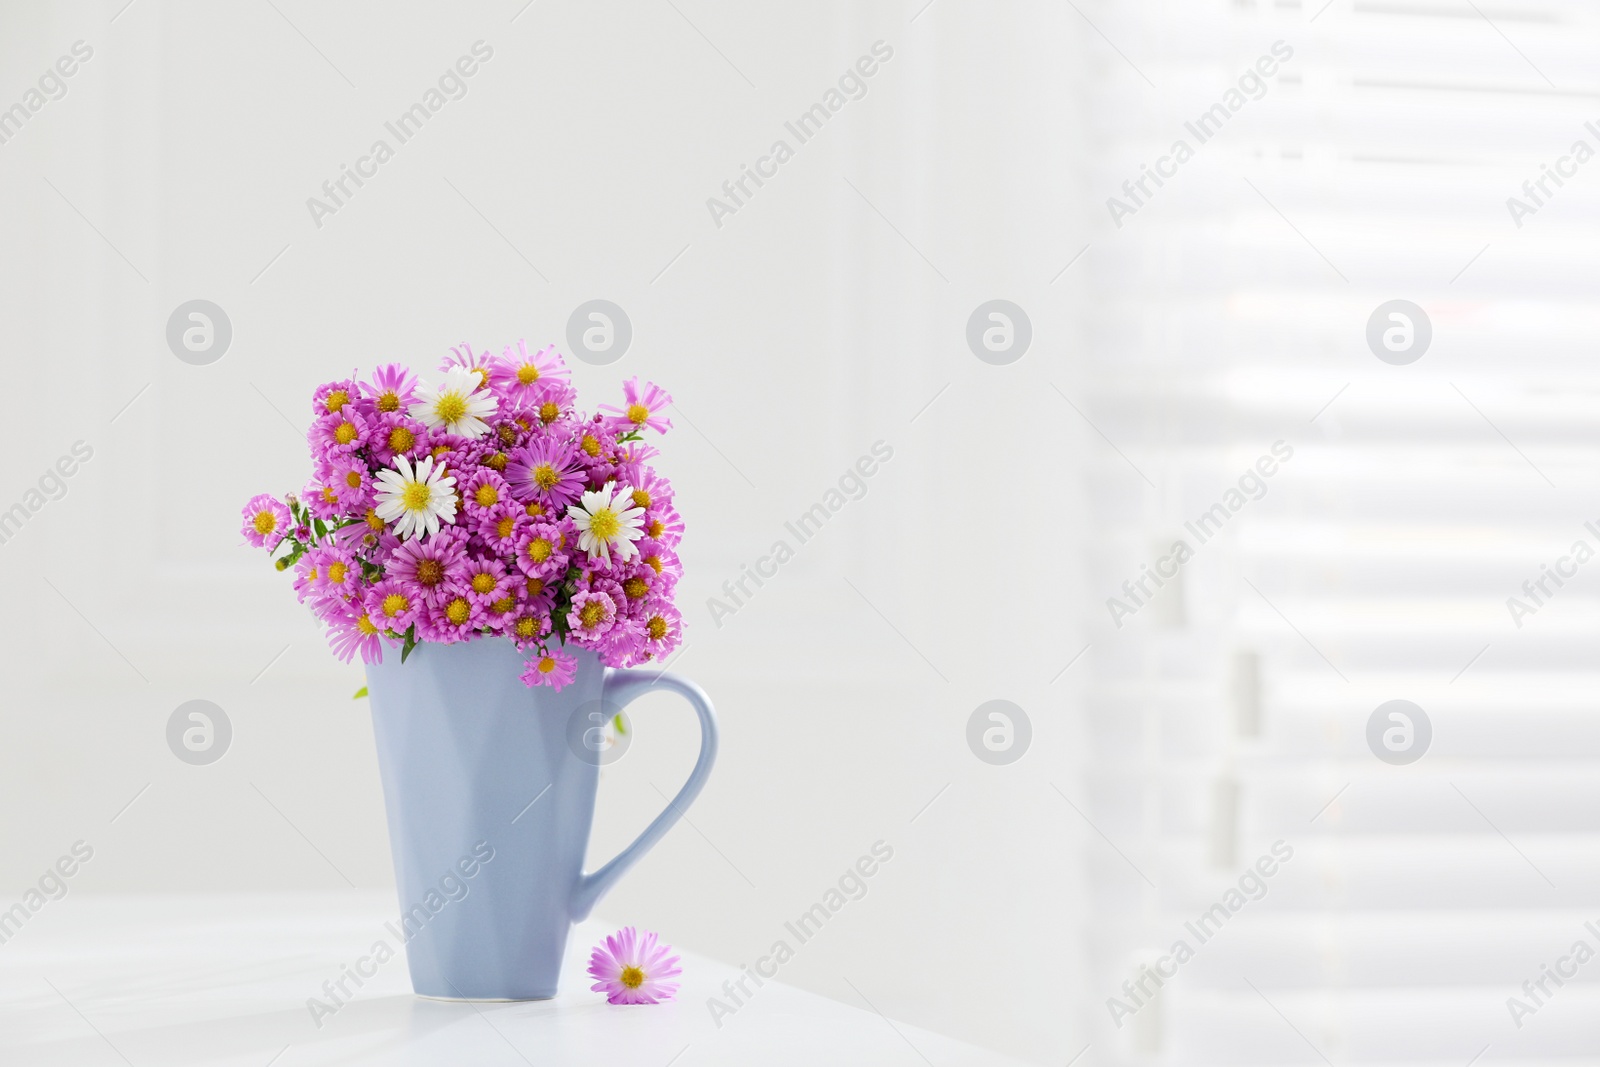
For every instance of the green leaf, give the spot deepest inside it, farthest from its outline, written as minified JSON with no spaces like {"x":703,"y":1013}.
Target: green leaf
{"x":410,"y":642}
{"x":360,"y":693}
{"x":617,"y":722}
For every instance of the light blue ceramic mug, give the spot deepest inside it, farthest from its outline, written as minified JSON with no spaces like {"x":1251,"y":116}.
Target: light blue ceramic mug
{"x":490,"y":790}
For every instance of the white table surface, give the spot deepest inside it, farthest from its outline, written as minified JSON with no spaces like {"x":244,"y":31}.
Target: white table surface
{"x":174,"y":981}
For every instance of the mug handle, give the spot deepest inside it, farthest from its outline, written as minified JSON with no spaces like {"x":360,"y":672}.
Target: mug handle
{"x":621,"y":688}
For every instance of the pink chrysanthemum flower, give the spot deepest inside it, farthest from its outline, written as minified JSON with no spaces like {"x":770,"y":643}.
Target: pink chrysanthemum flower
{"x":507,"y":431}
{"x":331,"y":397}
{"x":527,"y":628}
{"x":634,"y":969}
{"x":353,"y":632}
{"x":482,"y":491}
{"x":306,"y":575}
{"x":487,"y":581}
{"x":555,"y":404}
{"x":538,"y":595}
{"x":502,"y":526}
{"x":500,"y":612}
{"x":663,"y":628}
{"x":664,"y":525}
{"x":642,"y":408}
{"x":523,"y":379}
{"x":429,"y":564}
{"x":595,"y":444}
{"x":392,"y":605}
{"x":631,"y":470}
{"x":392,"y":389}
{"x":662,"y":559}
{"x":637,"y":581}
{"x":337,"y":574}
{"x":555,"y":669}
{"x":539,"y":551}
{"x":592,"y":614}
{"x":266,"y":521}
{"x":322,"y":500}
{"x":622,"y":645}
{"x":342,"y":431}
{"x":454,"y":616}
{"x":368,"y":533}
{"x":545,"y":471}
{"x":350,"y":480}
{"x":447,"y":449}
{"x":396,"y":434}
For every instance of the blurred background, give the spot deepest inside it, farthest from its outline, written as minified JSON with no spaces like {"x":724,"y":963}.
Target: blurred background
{"x":1316,"y":345}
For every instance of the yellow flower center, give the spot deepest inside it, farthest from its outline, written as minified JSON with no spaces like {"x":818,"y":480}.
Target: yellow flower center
{"x":401,"y":439}
{"x":545,"y":476}
{"x":336,"y":400}
{"x":527,"y":374}
{"x":388,"y":402}
{"x":638,"y":414}
{"x":535,"y":509}
{"x":496,"y":462}
{"x":266,"y":522}
{"x":547,"y":664}
{"x":458,"y":611}
{"x":483,"y":582}
{"x":549,"y":411}
{"x":394,"y":604}
{"x":654,"y":563}
{"x":364,"y":624}
{"x":604,"y":524}
{"x":483,"y":376}
{"x":415,"y":496}
{"x":337,"y":572}
{"x":374,"y":521}
{"x":535,"y":586}
{"x":527,"y":627}
{"x":641,"y":498}
{"x":503,"y":605}
{"x":504,"y":526}
{"x":451,"y":408}
{"x":539,"y":549}
{"x":487,"y":495}
{"x":430,"y":572}
{"x":329,"y":496}
{"x":635,"y":587}
{"x":592,"y":615}
{"x":590,"y":444}
{"x":632,"y":977}
{"x":656,"y":627}
{"x":507,"y":433}
{"x":345,"y":433}
{"x":440,"y":450}
{"x":353,"y":479}
{"x":655,"y":528}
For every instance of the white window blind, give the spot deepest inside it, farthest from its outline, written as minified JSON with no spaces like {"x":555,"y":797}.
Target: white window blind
{"x":1230,"y":709}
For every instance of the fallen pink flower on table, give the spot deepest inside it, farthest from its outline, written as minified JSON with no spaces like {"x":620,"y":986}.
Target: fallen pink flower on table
{"x":631,"y":968}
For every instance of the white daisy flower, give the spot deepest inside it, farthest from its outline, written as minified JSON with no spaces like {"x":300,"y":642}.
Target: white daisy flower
{"x":607,"y":519}
{"x":416,"y":500}
{"x":458,"y":406}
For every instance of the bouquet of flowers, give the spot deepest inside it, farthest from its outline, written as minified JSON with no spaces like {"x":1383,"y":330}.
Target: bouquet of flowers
{"x":484,"y":506}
